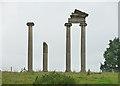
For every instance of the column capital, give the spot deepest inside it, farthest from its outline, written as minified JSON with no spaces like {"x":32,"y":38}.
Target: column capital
{"x":83,"y":24}
{"x":68,"y":24}
{"x":30,"y":24}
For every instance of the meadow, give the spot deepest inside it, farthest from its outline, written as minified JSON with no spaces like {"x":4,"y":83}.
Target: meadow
{"x":79,"y":77}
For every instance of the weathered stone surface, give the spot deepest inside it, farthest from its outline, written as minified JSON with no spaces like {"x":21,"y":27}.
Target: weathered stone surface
{"x":30,"y":46}
{"x":45,"y":57}
{"x":68,"y":47}
{"x":83,"y":49}
{"x":68,"y":24}
{"x":75,"y":20}
{"x":30,"y":24}
{"x":83,"y":24}
{"x":76,"y":17}
{"x":82,"y":14}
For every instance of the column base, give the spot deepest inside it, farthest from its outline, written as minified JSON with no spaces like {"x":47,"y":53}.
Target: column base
{"x":45,"y":70}
{"x":83,"y":71}
{"x":67,"y":70}
{"x":30,"y":70}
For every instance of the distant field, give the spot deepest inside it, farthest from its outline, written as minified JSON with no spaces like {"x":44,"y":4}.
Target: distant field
{"x":81,"y":78}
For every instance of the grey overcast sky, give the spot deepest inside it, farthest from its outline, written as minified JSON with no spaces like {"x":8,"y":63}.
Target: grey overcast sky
{"x":49,"y":19}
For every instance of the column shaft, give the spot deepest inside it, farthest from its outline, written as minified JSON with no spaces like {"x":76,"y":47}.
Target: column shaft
{"x":30,"y":46}
{"x":83,"y":50}
{"x":45,"y":57}
{"x":68,"y":51}
{"x":68,"y":47}
{"x":30,"y":52}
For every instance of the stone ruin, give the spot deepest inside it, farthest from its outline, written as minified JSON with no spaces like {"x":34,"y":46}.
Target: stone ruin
{"x":77,"y":17}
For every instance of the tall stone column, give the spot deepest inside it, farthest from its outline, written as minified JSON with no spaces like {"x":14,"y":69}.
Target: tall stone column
{"x":83,"y":47}
{"x":30,"y":47}
{"x":45,"y":57}
{"x":68,"y":47}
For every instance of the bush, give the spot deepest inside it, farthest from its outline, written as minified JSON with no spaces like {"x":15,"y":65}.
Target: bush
{"x":54,"y":78}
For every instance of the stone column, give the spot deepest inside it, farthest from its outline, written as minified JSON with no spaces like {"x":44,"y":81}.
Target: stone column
{"x":68,"y":47}
{"x":45,"y":57}
{"x":83,"y":47}
{"x":30,"y":46}
{"x":11,"y":69}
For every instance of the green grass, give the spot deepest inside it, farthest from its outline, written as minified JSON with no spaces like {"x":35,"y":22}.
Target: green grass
{"x":54,"y":78}
{"x":0,"y":78}
{"x":80,"y":78}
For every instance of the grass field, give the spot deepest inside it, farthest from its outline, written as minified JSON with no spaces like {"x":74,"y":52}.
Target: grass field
{"x":81,"y":78}
{"x":0,"y":78}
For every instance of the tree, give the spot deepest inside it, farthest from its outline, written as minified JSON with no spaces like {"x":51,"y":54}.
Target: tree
{"x":111,"y":56}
